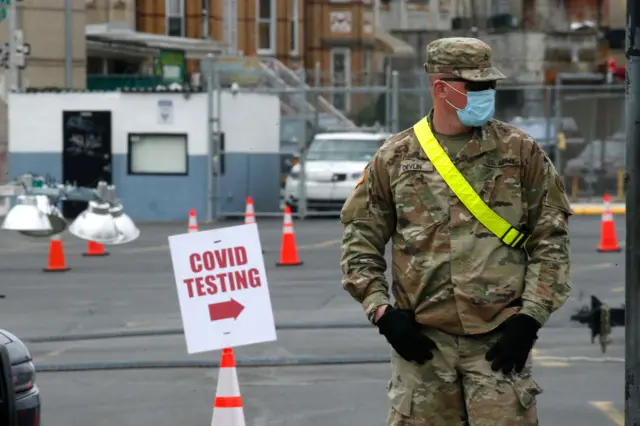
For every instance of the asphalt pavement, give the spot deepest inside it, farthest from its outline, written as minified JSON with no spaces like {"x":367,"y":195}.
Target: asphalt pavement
{"x":133,"y":289}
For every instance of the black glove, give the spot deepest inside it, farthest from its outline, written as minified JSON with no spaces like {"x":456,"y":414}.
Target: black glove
{"x":512,"y":349}
{"x":403,"y":333}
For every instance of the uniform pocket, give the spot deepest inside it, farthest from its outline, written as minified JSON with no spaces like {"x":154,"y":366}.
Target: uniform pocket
{"x":527,"y":391}
{"x":400,"y":396}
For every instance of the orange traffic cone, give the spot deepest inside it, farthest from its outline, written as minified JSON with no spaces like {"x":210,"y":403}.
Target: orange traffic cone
{"x":249,"y":212}
{"x":56,"y":255}
{"x":288,"y":250}
{"x":227,"y":407}
{"x":193,"y":221}
{"x":608,"y":239}
{"x":95,"y":250}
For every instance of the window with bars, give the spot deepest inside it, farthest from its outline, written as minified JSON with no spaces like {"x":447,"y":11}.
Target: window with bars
{"x":175,"y":18}
{"x":266,"y":22}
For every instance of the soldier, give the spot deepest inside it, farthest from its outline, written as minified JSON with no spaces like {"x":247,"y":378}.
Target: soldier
{"x":478,"y":219}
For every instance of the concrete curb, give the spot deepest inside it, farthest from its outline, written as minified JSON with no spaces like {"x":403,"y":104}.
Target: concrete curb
{"x":580,"y":209}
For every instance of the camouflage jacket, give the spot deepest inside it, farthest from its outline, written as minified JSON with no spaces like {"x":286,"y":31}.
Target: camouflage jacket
{"x":453,"y":272}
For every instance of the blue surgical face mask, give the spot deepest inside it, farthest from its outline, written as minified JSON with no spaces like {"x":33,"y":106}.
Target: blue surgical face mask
{"x":481,"y":106}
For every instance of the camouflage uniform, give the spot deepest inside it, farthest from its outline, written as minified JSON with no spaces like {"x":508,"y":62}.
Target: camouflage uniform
{"x":460,"y":280}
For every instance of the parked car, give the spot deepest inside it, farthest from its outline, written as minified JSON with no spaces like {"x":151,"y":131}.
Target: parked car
{"x":590,"y":168}
{"x":333,"y":165}
{"x":27,"y":393}
{"x":291,"y":132}
{"x":536,"y":127}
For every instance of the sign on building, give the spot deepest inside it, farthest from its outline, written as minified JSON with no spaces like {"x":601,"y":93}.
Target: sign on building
{"x":340,"y":22}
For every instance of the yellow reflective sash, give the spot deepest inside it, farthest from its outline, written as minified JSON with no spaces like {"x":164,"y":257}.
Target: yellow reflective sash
{"x":465,"y":192}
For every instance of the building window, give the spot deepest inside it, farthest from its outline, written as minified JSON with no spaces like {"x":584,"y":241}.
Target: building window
{"x":175,"y":18}
{"x":295,"y":27}
{"x":266,"y":31}
{"x":158,"y":154}
{"x":341,"y":76}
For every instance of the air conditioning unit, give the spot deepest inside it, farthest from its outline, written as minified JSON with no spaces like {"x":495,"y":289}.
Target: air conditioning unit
{"x":90,"y":3}
{"x":119,"y":4}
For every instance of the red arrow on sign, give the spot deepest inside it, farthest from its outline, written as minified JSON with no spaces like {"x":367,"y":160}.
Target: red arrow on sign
{"x":225,"y":310}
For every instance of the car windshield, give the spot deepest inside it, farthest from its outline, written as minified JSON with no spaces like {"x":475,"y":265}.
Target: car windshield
{"x":343,"y":149}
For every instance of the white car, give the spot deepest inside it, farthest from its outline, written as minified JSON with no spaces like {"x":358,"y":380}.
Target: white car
{"x":334,"y":163}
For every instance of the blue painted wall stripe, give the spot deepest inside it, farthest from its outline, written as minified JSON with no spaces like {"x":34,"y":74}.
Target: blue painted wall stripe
{"x":158,"y":198}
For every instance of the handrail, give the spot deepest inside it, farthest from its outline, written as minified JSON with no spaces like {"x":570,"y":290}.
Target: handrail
{"x":276,"y":69}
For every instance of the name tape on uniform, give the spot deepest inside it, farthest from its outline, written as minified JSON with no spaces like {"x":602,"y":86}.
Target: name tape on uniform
{"x":222,"y":288}
{"x":412,"y":166}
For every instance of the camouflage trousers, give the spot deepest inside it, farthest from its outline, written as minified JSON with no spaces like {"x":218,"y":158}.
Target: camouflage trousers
{"x":458,"y":388}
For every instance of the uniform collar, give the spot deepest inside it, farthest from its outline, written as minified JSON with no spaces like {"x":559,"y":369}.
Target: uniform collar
{"x":483,"y":140}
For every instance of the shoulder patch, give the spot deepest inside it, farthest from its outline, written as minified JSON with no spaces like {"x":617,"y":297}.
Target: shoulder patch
{"x":362,"y":178}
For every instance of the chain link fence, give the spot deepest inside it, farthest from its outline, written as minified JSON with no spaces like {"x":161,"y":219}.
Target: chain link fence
{"x":330,"y":130}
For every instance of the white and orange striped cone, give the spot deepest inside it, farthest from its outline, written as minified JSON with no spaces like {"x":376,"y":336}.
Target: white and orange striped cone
{"x":227,"y":407}
{"x":249,"y":212}
{"x":608,"y":239}
{"x":193,"y":221}
{"x":288,"y":250}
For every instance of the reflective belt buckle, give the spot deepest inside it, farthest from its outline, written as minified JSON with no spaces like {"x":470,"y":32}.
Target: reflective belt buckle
{"x":516,"y":241}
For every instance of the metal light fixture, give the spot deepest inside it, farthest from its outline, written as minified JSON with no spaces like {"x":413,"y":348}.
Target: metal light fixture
{"x":105,"y":222}
{"x":125,"y":226}
{"x":95,"y":224}
{"x":58,"y":224}
{"x":26,"y":216}
{"x":36,"y":213}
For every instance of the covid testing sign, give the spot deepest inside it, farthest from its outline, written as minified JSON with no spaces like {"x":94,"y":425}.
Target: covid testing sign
{"x":222,"y":288}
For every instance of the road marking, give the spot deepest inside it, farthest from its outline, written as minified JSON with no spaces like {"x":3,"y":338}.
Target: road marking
{"x":163,"y":247}
{"x":322,"y":244}
{"x":577,"y":359}
{"x":57,"y":352}
{"x":607,"y":408}
{"x":132,"y":324}
{"x":617,"y":290}
{"x":23,"y":249}
{"x":148,"y":249}
{"x":589,"y":268}
{"x":554,"y":364}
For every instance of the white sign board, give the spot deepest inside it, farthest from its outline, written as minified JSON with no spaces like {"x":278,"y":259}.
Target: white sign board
{"x":340,"y":22}
{"x":165,"y":111}
{"x":222,"y":288}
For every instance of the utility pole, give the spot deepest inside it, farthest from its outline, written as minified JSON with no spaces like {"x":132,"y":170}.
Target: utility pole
{"x":68,"y":45}
{"x":632,"y":250}
{"x":13,"y":85}
{"x":209,"y":76}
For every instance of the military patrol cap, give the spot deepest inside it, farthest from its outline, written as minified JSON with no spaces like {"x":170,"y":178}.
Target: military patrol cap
{"x":467,"y":58}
